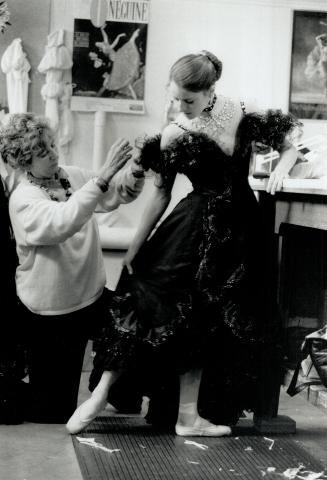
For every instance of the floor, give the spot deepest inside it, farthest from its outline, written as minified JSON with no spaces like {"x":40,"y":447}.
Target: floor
{"x":45,"y":452}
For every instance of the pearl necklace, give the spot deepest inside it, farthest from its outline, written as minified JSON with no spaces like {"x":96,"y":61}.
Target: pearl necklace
{"x":58,"y":181}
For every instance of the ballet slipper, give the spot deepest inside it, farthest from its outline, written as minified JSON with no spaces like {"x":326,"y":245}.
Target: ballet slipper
{"x":202,"y":428}
{"x":85,"y":414}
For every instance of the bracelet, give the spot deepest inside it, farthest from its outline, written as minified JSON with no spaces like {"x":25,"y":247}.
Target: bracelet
{"x":102,"y":184}
{"x":138,"y":173}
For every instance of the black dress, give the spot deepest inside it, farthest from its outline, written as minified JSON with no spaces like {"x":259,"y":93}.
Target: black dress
{"x":195,"y":297}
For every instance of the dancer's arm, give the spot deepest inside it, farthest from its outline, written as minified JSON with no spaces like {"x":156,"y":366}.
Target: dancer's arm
{"x":158,"y":202}
{"x":157,"y":205}
{"x":104,"y":34}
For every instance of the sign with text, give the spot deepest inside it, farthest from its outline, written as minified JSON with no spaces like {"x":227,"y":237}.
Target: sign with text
{"x":109,"y":60}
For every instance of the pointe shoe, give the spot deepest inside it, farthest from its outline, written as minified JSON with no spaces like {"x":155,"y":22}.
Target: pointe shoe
{"x":202,"y":428}
{"x":84,"y":415}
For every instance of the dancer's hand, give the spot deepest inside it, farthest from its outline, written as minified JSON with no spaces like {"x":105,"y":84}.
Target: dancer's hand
{"x":288,"y":157}
{"x":128,"y":259}
{"x":275,"y":182}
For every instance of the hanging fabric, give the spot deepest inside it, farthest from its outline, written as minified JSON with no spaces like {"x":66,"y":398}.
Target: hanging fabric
{"x":54,"y":63}
{"x":16,"y":67}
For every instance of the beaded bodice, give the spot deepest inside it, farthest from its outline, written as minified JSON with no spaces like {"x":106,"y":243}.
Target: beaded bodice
{"x":220,"y":123}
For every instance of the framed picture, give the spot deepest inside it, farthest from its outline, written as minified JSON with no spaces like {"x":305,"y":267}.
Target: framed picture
{"x":308,"y":83}
{"x":109,"y":62}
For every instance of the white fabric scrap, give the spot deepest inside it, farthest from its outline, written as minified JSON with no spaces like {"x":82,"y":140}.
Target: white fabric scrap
{"x":92,"y":443}
{"x":292,"y":472}
{"x":196,"y":444}
{"x":312,"y":475}
{"x":270,"y":440}
{"x":301,"y":474}
{"x":297,"y":473}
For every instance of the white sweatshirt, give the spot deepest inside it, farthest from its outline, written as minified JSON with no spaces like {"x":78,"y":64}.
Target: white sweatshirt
{"x":60,"y":259}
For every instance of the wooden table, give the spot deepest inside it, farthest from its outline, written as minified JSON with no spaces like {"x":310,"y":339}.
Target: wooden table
{"x":302,"y":202}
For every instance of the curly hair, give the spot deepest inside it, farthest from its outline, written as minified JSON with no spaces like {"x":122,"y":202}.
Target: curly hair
{"x":23,"y":136}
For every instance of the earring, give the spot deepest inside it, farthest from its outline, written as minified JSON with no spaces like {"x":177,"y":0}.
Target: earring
{"x":211,"y":103}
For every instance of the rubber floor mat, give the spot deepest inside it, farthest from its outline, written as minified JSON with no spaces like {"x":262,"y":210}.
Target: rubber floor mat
{"x":125,"y":448}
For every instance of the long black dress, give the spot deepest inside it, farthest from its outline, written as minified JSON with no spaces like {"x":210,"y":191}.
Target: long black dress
{"x":195,"y":297}
{"x":198,"y":295}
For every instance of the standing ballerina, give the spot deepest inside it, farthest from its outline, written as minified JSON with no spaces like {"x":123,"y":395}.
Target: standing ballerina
{"x":193,"y":290}
{"x":106,"y":47}
{"x":125,"y":68}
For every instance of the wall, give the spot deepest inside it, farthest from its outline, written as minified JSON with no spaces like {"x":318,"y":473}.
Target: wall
{"x":251,"y":37}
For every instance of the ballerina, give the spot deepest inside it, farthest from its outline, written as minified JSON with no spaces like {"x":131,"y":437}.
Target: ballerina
{"x":124,"y":64}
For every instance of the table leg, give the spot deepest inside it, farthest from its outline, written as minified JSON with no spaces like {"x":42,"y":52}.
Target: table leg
{"x":266,"y":418}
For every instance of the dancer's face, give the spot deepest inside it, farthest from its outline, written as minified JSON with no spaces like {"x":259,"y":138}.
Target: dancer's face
{"x":190,"y":103}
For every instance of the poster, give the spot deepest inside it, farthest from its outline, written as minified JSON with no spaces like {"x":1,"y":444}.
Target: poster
{"x":109,"y":62}
{"x":308,"y":85}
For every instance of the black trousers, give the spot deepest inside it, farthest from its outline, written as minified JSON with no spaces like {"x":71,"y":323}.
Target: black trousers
{"x":55,"y":352}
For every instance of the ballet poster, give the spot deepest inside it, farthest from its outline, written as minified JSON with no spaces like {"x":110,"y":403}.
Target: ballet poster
{"x":109,"y":61}
{"x":308,"y":86}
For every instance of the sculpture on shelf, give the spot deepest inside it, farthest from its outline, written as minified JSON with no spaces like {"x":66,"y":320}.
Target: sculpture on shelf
{"x":55,"y":62}
{"x":16,"y":67}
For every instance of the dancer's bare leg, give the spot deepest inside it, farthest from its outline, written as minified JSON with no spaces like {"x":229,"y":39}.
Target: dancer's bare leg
{"x":188,"y":397}
{"x":189,"y":422}
{"x":91,"y":408}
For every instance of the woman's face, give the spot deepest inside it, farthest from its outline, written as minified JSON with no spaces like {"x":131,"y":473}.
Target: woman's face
{"x":190,"y":103}
{"x":45,"y":163}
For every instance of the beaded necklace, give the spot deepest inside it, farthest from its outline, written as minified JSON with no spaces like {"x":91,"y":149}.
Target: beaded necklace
{"x":58,"y":181}
{"x":215,"y":123}
{"x":215,"y":120}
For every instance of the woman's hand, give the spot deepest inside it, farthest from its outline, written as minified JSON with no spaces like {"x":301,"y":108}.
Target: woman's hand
{"x":117,"y":157}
